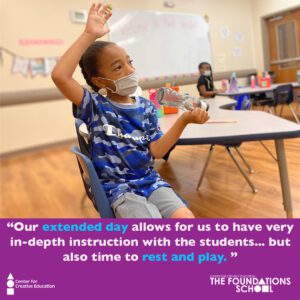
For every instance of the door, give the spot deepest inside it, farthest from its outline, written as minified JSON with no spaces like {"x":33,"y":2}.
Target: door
{"x":284,"y":45}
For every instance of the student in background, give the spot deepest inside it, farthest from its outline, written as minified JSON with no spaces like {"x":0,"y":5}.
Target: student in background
{"x":125,"y":134}
{"x":205,"y":85}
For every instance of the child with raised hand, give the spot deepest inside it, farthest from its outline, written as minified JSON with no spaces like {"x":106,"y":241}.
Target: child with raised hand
{"x":124,"y":131}
{"x":205,"y":85}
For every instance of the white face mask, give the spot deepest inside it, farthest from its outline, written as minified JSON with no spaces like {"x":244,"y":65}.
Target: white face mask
{"x":207,"y":73}
{"x":125,"y":86}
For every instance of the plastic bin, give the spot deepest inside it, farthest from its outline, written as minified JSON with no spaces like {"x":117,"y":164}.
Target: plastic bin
{"x":159,"y":109}
{"x":171,"y":110}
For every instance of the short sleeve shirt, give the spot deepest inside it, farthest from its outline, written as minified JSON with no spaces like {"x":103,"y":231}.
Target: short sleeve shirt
{"x":204,"y":80}
{"x":120,"y":138}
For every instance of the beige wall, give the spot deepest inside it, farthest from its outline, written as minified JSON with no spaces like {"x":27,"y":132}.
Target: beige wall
{"x":30,"y":125}
{"x":24,"y":126}
{"x":261,"y":9}
{"x":50,"y":19}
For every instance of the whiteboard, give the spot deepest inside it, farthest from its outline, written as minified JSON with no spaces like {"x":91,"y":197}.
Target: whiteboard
{"x":161,"y":43}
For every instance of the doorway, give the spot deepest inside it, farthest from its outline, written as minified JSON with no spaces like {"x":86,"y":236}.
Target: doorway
{"x":283,"y":32}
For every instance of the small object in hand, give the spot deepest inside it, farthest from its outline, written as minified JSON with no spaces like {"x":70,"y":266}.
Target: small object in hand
{"x":169,"y":97}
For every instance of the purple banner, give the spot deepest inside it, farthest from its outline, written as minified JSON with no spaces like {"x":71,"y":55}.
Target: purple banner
{"x":149,"y":259}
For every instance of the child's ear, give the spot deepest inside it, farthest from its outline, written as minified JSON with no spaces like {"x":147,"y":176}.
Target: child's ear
{"x":98,"y":82}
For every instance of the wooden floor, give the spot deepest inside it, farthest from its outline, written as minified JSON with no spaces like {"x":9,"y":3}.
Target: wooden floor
{"x":47,"y":184}
{"x":224,"y":192}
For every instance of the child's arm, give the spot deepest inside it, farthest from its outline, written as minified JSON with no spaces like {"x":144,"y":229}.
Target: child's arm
{"x":218,"y":91}
{"x":203,"y":92}
{"x":161,"y":146}
{"x":62,"y":74}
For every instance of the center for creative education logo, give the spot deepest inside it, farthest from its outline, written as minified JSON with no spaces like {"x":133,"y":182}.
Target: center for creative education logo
{"x":10,"y":285}
{"x":250,"y":283}
{"x":13,"y":284}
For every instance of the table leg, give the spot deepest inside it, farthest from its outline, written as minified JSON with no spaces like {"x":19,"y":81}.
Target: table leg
{"x":205,"y":166}
{"x":284,"y":178}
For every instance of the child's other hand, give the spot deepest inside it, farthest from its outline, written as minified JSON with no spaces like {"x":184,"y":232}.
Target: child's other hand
{"x":97,"y":18}
{"x":197,"y":115}
{"x":221,"y":91}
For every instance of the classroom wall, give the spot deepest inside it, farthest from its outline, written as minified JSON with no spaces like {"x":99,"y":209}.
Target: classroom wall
{"x":263,"y":9}
{"x":36,"y":124}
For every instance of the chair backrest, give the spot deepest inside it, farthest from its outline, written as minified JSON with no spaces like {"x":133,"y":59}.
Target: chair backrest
{"x":92,"y":184}
{"x":283,"y":94}
{"x":242,"y":102}
{"x":84,"y":145}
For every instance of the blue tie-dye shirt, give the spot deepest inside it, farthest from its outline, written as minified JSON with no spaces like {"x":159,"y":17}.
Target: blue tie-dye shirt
{"x":120,"y":138}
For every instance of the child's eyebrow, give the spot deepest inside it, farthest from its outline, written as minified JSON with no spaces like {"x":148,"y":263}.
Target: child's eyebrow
{"x":114,"y":62}
{"x":118,"y":60}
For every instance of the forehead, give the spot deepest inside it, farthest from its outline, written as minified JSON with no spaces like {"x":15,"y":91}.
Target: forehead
{"x":112,"y":53}
{"x":205,"y":66}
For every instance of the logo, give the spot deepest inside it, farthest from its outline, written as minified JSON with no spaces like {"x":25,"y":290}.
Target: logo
{"x":10,"y":285}
{"x":13,"y":284}
{"x":250,"y":283}
{"x":111,"y":130}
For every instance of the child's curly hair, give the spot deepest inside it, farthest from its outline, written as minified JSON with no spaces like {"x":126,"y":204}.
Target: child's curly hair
{"x":89,"y":62}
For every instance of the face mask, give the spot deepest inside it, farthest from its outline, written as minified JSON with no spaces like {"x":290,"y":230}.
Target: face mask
{"x":207,"y":73}
{"x":125,"y":86}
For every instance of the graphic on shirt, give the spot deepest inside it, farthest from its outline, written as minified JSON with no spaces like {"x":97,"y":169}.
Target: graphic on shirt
{"x":111,"y":130}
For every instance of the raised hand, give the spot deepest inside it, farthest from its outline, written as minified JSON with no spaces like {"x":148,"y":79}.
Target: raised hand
{"x":97,"y":19}
{"x":197,"y":116}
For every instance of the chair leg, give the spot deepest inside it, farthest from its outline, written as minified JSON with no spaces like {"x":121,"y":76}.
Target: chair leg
{"x":244,"y":160}
{"x":294,"y":113}
{"x":281,"y":110}
{"x":297,"y":107}
{"x":205,"y":166}
{"x":254,"y":190}
{"x":262,"y":107}
{"x":271,"y":110}
{"x":268,"y":150}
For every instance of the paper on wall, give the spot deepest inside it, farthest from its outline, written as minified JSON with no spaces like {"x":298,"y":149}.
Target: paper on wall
{"x":49,"y":63}
{"x":239,"y":37}
{"x":37,"y":66}
{"x":20,"y":65}
{"x":224,"y":32}
{"x":236,"y":52}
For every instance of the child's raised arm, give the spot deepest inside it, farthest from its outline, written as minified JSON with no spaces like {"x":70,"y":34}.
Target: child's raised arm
{"x":62,"y":74}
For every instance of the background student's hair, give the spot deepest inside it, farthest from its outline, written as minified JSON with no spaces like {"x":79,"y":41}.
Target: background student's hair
{"x":90,"y":62}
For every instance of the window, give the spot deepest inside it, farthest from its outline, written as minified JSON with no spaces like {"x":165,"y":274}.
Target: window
{"x":287,"y":43}
{"x":286,"y":34}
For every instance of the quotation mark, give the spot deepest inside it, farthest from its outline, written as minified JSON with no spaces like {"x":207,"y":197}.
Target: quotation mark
{"x":233,"y":254}
{"x":10,"y":224}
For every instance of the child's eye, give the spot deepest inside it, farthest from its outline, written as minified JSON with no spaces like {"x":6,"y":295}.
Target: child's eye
{"x":131,"y":61}
{"x":117,"y":68}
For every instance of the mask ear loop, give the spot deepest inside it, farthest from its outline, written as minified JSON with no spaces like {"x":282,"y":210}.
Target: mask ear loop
{"x":103,"y":91}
